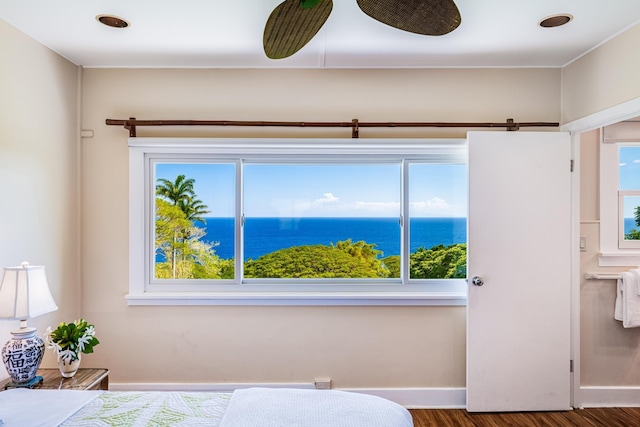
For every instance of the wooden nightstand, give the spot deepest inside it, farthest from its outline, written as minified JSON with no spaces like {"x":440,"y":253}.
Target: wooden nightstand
{"x":84,"y":379}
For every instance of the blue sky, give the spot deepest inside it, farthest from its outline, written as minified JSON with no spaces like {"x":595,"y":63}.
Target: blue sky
{"x":630,"y":177}
{"x":316,"y":190}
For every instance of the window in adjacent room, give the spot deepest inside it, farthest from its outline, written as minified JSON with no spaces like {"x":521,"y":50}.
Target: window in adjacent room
{"x":629,"y":196}
{"x":619,"y":194}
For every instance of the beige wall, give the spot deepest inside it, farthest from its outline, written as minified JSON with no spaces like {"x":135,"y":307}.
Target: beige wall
{"x":604,"y":78}
{"x":355,"y":346}
{"x":38,"y":171}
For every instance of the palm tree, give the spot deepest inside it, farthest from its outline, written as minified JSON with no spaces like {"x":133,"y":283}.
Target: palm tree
{"x":175,"y":191}
{"x":180,"y":193}
{"x":193,"y":209}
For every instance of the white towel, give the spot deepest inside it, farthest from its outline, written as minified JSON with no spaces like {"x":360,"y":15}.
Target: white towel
{"x":627,"y":308}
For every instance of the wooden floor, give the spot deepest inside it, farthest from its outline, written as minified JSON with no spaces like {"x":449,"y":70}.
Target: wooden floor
{"x":607,"y":417}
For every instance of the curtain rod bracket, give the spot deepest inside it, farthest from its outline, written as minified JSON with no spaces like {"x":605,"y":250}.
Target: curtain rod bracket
{"x":512,"y":126}
{"x":130,"y":125}
{"x":355,"y":129}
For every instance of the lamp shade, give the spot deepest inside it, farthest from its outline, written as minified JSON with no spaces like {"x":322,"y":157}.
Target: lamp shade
{"x":24,"y":293}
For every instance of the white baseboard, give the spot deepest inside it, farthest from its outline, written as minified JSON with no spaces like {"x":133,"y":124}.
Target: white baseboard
{"x":602,"y":397}
{"x":217,"y":387}
{"x":414,"y":398}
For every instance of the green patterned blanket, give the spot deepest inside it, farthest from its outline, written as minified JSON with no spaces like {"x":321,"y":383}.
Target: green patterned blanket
{"x":152,"y":409}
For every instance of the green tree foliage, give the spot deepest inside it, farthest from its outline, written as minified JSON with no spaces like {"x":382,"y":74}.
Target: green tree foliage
{"x":177,"y":237}
{"x":227,"y":268}
{"x":358,"y":260}
{"x":364,"y":252}
{"x":392,"y":263}
{"x":186,"y":255}
{"x":343,"y":260}
{"x":634,"y":234}
{"x":439,"y":262}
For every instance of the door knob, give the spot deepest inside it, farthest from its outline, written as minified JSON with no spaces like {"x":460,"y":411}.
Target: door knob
{"x":477,"y":281}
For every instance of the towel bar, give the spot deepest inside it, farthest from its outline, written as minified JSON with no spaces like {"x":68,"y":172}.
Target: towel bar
{"x":603,"y":276}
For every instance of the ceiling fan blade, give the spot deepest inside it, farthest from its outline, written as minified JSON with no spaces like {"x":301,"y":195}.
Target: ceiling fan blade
{"x":292,"y":25}
{"x":427,"y":17}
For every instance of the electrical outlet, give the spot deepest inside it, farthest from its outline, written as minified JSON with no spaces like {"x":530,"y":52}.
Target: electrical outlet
{"x":322,"y":383}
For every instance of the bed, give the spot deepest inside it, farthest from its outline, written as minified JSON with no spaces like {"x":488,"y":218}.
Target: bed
{"x":251,"y":407}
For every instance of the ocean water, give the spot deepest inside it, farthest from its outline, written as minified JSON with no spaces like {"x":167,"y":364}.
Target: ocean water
{"x":265,"y":235}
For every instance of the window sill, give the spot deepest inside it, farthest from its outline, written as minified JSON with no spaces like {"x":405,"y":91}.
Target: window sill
{"x":621,"y":259}
{"x":298,"y":299}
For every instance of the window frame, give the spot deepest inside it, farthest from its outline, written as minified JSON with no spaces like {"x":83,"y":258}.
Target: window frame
{"x":143,"y":291}
{"x":615,"y":251}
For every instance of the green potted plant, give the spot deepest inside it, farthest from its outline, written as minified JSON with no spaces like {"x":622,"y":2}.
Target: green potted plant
{"x":69,"y":341}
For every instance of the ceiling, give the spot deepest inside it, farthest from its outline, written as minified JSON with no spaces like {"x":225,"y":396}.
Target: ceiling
{"x":228,"y":34}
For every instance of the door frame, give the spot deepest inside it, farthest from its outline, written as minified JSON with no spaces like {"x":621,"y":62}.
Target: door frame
{"x":609,"y":116}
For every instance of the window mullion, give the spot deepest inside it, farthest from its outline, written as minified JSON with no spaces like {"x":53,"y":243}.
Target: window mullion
{"x":239,"y":215}
{"x":405,"y":223}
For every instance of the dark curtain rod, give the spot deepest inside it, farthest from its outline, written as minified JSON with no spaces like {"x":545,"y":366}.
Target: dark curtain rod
{"x":355,"y":125}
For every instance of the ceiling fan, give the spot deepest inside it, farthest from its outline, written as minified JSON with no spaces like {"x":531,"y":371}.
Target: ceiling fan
{"x":293,"y":23}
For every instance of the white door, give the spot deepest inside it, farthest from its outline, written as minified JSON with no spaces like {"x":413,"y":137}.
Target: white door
{"x":519,"y":245}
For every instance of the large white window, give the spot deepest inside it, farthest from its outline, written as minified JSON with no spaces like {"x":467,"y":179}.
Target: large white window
{"x":620,"y":194}
{"x":297,"y":221}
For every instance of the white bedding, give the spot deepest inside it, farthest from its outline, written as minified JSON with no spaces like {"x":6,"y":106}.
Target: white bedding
{"x":262,"y":407}
{"x":21,"y":407}
{"x":257,"y":407}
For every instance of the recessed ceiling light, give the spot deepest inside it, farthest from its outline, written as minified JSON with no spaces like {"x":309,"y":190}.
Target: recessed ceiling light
{"x":555,"y":20}
{"x":112,"y":21}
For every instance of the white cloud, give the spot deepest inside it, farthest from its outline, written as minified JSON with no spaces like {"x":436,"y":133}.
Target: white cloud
{"x":327,"y":198}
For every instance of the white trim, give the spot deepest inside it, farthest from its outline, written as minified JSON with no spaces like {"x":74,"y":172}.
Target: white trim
{"x":630,"y":259}
{"x":413,"y":398}
{"x":617,"y":113}
{"x":607,"y":396}
{"x":575,"y":271}
{"x":299,"y":299}
{"x":214,"y":387}
{"x":452,"y":149}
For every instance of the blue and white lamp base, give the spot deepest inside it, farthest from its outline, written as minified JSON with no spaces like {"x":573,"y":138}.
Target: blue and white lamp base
{"x":22,"y":355}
